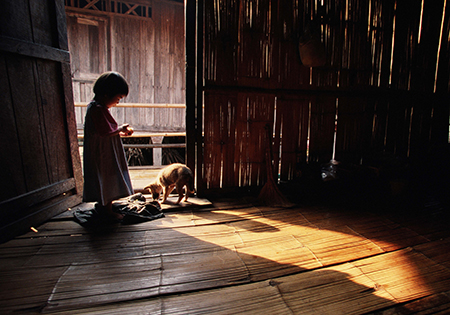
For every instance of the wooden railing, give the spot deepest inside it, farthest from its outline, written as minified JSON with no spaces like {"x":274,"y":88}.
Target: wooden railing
{"x":139,"y":105}
{"x":155,"y":136}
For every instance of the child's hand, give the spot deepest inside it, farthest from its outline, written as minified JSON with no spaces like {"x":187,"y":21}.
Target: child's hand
{"x":126,"y":130}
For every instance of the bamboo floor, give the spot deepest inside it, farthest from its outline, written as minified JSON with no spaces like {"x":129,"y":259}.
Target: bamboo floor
{"x":232,"y":256}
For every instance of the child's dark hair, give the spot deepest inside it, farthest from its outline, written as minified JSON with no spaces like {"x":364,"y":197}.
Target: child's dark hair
{"x":110,"y":84}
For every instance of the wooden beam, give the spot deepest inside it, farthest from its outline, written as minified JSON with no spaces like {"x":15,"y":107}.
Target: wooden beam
{"x":139,"y":105}
{"x":31,"y":49}
{"x":40,"y":195}
{"x":131,"y":9}
{"x":155,"y":146}
{"x":91,"y":4}
{"x":41,"y":214}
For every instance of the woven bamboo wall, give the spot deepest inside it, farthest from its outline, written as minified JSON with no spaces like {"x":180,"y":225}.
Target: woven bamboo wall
{"x":382,"y":90}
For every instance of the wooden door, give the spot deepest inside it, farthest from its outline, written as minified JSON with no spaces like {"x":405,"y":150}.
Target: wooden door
{"x":40,"y":162}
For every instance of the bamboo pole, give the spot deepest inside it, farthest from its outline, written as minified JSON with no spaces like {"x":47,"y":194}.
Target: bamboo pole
{"x":139,"y":105}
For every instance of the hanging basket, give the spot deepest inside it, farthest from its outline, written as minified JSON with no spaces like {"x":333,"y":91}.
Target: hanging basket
{"x":312,"y":53}
{"x":311,"y":50}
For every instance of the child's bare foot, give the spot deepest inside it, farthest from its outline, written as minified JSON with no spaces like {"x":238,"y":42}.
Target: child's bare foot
{"x":109,"y":211}
{"x":116,"y":215}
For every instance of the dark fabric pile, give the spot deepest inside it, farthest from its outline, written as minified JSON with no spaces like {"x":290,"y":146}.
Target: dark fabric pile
{"x":135,"y":209}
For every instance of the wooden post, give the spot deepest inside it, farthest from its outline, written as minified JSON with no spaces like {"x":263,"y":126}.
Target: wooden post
{"x":157,"y":152}
{"x":199,"y":107}
{"x":190,"y":30}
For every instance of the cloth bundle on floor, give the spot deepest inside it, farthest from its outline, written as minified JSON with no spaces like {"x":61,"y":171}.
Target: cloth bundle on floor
{"x":135,"y":209}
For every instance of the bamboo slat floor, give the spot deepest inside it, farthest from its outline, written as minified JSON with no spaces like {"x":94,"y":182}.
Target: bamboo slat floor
{"x":233,"y":256}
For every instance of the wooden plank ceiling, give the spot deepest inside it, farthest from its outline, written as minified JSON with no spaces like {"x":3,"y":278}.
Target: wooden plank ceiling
{"x":234,"y":257}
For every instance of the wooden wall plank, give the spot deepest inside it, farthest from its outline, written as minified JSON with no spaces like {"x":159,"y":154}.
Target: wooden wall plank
{"x":44,"y":30}
{"x":54,"y":124}
{"x":179,"y":84}
{"x":70,"y":123}
{"x":17,"y":22}
{"x":29,"y":121}
{"x":10,"y":141}
{"x":147,"y":57}
{"x":37,"y":196}
{"x":36,"y":215}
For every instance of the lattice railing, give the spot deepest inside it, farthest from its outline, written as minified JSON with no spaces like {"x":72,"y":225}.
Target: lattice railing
{"x":112,"y":6}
